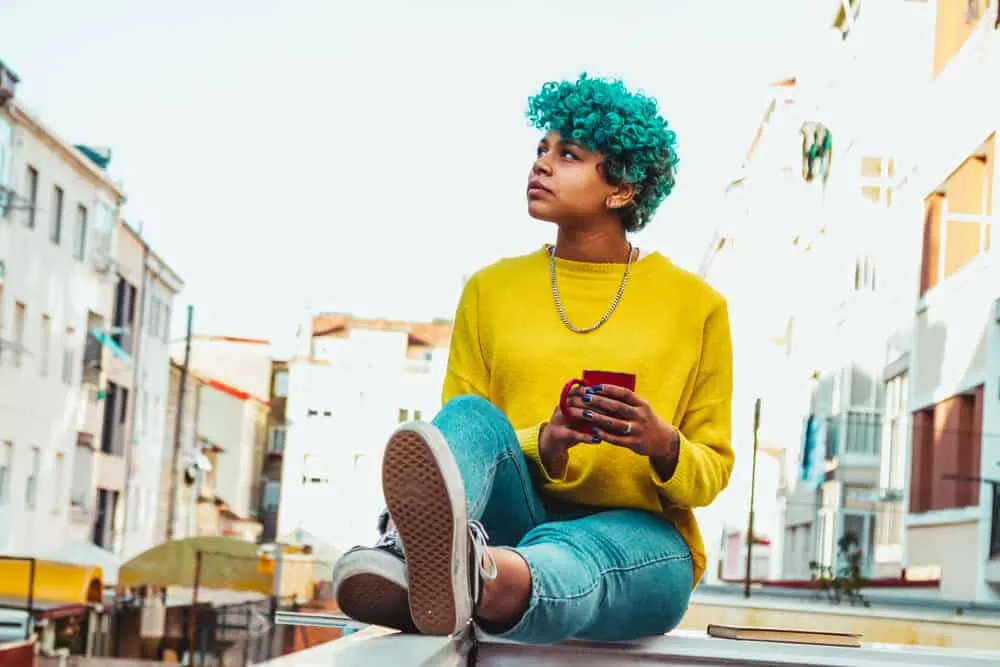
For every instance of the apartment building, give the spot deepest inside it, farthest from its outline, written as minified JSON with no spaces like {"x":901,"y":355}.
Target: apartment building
{"x":61,"y":474}
{"x":277,"y":429}
{"x":351,"y":383}
{"x":816,"y":197}
{"x":950,"y":372}
{"x":147,"y":434}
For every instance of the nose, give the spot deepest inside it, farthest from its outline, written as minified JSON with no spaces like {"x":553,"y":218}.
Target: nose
{"x":541,"y":165}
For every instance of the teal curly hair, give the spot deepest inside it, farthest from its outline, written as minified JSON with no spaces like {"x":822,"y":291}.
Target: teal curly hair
{"x":625,"y":127}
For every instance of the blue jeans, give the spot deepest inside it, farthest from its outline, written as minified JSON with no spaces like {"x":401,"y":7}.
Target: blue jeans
{"x":602,"y":575}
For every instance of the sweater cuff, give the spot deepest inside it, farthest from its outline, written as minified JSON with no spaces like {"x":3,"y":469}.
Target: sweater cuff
{"x":682,"y":478}
{"x":528,"y":437}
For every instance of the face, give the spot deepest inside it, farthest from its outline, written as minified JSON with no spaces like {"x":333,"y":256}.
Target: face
{"x":566,"y":184}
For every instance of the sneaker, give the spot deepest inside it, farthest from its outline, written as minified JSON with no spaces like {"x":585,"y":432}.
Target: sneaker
{"x":446,"y":554}
{"x":369,"y":584}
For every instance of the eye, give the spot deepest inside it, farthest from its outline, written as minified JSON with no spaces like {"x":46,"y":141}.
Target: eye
{"x":540,"y":151}
{"x":569,"y":155}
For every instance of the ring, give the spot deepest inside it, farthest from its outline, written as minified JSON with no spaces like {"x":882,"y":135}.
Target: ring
{"x":628,"y":428}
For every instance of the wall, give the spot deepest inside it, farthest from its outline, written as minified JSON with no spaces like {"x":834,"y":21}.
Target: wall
{"x":230,"y":423}
{"x":39,"y":410}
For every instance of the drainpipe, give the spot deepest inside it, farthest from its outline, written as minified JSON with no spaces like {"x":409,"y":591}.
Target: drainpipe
{"x":137,"y":328}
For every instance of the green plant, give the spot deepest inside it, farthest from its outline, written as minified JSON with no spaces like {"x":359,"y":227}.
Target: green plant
{"x":846,"y":581}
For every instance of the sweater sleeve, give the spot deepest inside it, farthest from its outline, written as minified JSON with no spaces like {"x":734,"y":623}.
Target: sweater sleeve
{"x":705,"y":458}
{"x":467,"y":371}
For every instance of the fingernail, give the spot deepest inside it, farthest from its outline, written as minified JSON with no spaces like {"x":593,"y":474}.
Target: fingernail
{"x":587,"y":414}
{"x":595,"y":440}
{"x":588,"y":390}
{"x":599,"y":387}
{"x":586,"y":398}
{"x":593,"y":430}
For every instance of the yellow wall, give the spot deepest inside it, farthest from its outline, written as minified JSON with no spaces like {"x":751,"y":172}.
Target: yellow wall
{"x":54,"y":582}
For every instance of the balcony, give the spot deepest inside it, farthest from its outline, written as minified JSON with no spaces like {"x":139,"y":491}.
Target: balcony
{"x":854,"y":440}
{"x":93,"y":361}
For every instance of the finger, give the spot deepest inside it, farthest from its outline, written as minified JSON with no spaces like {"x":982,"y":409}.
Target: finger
{"x":610,"y":406}
{"x":620,"y":394}
{"x":628,"y":441}
{"x":601,"y":420}
{"x":571,"y":436}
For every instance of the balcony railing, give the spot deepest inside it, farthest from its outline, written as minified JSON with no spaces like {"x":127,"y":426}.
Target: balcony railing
{"x":853,"y":433}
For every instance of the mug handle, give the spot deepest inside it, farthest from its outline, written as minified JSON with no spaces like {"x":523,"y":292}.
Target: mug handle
{"x":564,"y":397}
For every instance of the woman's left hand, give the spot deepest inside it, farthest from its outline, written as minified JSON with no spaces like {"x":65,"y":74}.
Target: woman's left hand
{"x":621,"y":417}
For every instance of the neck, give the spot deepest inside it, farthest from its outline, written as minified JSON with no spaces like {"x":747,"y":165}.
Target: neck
{"x":593,"y":244}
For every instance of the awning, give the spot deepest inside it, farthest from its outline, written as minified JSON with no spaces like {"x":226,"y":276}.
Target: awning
{"x":226,"y":563}
{"x":85,"y":552}
{"x":109,"y":342}
{"x":53,"y":583}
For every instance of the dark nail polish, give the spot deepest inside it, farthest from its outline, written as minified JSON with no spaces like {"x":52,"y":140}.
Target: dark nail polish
{"x":586,"y":398}
{"x":593,"y":430}
{"x":599,"y":387}
{"x":588,"y":390}
{"x":587,"y":414}
{"x":595,"y":440}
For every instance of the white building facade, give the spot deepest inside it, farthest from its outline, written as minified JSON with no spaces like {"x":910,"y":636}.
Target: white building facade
{"x":57,"y":230}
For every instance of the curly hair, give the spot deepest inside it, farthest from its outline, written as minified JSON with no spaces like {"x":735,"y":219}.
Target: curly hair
{"x":626,"y":128}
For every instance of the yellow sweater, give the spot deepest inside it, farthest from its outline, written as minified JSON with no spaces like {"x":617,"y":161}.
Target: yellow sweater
{"x":670,"y":329}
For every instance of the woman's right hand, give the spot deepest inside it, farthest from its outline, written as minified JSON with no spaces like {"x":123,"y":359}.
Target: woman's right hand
{"x":559,"y":435}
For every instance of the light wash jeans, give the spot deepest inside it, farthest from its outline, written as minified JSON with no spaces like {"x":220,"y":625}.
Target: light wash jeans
{"x":603,"y":575}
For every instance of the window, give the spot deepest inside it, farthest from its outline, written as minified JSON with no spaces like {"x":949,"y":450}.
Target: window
{"x":894,"y":434}
{"x":877,"y":174}
{"x":281,"y":383}
{"x":165,"y":334}
{"x":80,"y":237}
{"x":276,"y":445}
{"x":31,"y":488}
{"x":55,"y":215}
{"x":31,"y":188}
{"x":45,"y":345}
{"x":69,"y":356}
{"x":958,"y":218}
{"x":124,"y":315}
{"x":947,"y":440}
{"x":6,"y":158}
{"x":6,"y":464}
{"x":404,"y":415}
{"x":153,"y":327}
{"x":19,"y":317}
{"x":58,"y":483}
{"x":864,"y":275}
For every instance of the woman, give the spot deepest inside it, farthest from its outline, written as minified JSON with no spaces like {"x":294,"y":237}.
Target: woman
{"x":589,"y":514}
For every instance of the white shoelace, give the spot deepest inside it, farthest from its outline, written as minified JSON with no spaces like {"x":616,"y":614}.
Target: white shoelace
{"x":485,"y":564}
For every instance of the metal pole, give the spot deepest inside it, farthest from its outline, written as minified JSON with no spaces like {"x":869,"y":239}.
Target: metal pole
{"x":175,"y":457}
{"x":194,"y":607}
{"x":29,"y":622}
{"x":753,"y":489}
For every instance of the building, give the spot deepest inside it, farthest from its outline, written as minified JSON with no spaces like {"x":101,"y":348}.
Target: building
{"x":816,"y":196}
{"x":947,"y":379}
{"x":148,"y":429}
{"x":62,"y":473}
{"x":277,"y":429}
{"x":351,"y":383}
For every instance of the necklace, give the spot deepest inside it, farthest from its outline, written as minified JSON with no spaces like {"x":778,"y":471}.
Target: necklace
{"x":614,"y":302}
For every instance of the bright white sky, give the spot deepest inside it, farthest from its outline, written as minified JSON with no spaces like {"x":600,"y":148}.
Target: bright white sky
{"x":363,"y":156}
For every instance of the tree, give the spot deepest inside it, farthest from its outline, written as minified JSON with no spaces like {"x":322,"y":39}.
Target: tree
{"x":845,"y":581}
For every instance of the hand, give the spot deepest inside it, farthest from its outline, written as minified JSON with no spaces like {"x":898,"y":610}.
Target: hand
{"x":560,"y":434}
{"x":621,"y":417}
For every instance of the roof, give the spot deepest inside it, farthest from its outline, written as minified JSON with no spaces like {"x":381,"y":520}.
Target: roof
{"x":159,"y":265}
{"x":85,"y":552}
{"x":435,"y":334}
{"x":77,"y":158}
{"x":53,"y":582}
{"x":220,"y":386}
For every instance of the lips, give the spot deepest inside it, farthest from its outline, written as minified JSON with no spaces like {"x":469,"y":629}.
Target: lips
{"x":535,"y":187}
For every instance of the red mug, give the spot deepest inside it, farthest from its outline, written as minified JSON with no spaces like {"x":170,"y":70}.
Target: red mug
{"x":592,"y":379}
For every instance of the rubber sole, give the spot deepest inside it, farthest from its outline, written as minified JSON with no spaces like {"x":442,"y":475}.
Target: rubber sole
{"x":429,"y":513}
{"x":371,"y":588}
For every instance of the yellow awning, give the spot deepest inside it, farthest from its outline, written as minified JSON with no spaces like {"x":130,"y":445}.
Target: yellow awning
{"x":226,"y":563}
{"x":54,"y":582}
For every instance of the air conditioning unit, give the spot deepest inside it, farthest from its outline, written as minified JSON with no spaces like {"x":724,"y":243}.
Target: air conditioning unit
{"x":8,"y":84}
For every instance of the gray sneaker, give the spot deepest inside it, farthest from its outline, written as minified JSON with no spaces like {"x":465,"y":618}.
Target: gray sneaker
{"x":369,"y":584}
{"x":445,"y":552}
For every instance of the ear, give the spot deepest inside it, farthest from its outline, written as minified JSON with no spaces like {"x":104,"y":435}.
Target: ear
{"x":622,"y":196}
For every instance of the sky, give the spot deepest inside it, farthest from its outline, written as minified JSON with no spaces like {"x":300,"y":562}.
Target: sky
{"x":363,"y":157}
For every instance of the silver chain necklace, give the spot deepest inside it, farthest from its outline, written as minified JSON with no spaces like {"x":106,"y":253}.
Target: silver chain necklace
{"x":614,"y":302}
